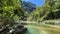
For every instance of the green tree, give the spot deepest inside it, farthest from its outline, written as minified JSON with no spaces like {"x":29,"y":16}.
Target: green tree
{"x":50,"y":10}
{"x":54,"y":8}
{"x":7,"y":10}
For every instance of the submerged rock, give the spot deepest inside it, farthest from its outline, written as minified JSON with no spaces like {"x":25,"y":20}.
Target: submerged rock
{"x":2,"y":29}
{"x":15,"y":29}
{"x":18,"y":29}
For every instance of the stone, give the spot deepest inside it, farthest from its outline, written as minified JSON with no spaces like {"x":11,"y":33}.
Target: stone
{"x":18,"y":29}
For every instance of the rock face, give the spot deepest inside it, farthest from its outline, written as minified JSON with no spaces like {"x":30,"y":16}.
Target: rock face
{"x":28,"y":6}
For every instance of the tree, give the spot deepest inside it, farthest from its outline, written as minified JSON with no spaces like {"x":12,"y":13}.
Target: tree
{"x":7,"y":8}
{"x":50,"y":10}
{"x":54,"y":8}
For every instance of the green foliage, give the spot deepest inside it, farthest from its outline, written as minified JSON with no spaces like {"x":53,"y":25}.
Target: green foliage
{"x":7,"y":8}
{"x":54,"y":9}
{"x":50,"y":10}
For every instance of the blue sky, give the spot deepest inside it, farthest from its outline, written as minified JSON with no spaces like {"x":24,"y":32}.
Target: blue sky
{"x":37,"y":2}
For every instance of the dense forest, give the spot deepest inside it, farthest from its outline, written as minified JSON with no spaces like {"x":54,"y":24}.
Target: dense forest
{"x":12,"y":11}
{"x":49,"y":11}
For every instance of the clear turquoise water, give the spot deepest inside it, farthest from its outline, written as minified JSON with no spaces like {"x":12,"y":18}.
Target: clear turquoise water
{"x":32,"y":31}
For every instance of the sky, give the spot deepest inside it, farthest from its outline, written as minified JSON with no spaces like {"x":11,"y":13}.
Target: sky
{"x":37,"y":2}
